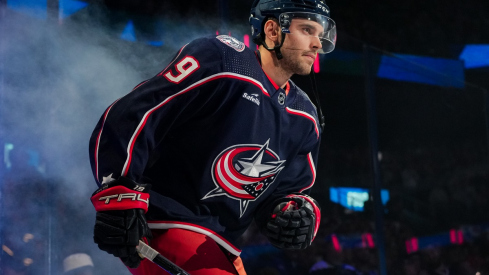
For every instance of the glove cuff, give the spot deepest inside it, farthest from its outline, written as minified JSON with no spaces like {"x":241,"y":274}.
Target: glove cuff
{"x":121,"y":194}
{"x":120,"y":198}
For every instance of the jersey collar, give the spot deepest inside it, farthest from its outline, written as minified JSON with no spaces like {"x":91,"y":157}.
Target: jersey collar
{"x":287,"y":85}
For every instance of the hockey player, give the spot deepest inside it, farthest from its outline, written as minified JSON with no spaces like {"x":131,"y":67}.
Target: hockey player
{"x":217,"y":139}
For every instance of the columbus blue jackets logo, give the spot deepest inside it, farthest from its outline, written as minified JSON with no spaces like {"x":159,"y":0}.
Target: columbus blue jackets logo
{"x":244,"y":172}
{"x":232,"y":42}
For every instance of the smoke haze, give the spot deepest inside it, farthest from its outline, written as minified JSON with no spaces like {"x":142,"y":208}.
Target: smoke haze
{"x":56,"y":84}
{"x":56,"y":80}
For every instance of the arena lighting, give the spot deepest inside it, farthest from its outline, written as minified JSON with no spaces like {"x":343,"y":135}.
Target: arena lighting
{"x":69,"y":7}
{"x":336,"y":242}
{"x":438,"y":240}
{"x":368,"y":240}
{"x":475,"y":56}
{"x":353,"y":198}
{"x":316,"y":64}
{"x":456,"y":236}
{"x":38,"y":8}
{"x":7,"y":147}
{"x":34,"y":8}
{"x":412,"y":245}
{"x":246,"y":40}
{"x":420,"y":69}
{"x":128,"y":33}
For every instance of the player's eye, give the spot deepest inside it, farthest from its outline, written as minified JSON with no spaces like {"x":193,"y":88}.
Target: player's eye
{"x":307,"y":30}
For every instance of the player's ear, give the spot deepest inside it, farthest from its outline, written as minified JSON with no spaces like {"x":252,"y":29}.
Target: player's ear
{"x":271,"y":29}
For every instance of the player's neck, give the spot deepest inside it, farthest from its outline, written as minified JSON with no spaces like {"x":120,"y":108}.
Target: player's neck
{"x":272,"y":67}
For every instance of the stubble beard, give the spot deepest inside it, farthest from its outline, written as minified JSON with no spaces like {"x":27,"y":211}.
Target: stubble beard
{"x":294,"y":63}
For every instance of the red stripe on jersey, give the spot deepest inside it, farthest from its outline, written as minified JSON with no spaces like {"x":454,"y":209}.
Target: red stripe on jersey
{"x":196,"y":228}
{"x":313,"y":172}
{"x":97,"y":143}
{"x":229,"y":183}
{"x":139,"y":85}
{"x":168,"y":99}
{"x":232,"y":176}
{"x":271,"y":81}
{"x":306,"y":115}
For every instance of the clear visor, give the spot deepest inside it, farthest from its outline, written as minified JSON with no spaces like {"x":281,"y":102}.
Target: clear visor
{"x":325,"y":31}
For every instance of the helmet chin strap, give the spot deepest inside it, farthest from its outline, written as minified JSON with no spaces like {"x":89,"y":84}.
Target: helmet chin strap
{"x":276,"y":48}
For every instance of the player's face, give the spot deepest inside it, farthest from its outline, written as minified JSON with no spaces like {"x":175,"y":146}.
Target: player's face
{"x":301,"y":46}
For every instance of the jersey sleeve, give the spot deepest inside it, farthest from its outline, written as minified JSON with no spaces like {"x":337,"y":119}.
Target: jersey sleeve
{"x":130,"y":128}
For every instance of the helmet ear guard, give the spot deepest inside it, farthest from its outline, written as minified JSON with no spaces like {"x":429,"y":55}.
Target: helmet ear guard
{"x":257,"y":33}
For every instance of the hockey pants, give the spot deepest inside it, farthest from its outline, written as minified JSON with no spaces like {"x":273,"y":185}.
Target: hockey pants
{"x":194,"y":252}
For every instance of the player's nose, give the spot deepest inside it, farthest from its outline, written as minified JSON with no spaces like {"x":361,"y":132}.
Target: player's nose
{"x":316,"y":43}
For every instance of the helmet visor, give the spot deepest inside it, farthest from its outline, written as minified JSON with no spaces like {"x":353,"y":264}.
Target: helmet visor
{"x":326,"y":31}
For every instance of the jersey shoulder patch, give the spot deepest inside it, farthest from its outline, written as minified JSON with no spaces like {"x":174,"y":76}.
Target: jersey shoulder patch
{"x":232,"y":42}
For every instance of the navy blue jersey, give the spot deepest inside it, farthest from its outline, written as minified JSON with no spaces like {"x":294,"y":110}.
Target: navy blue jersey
{"x":216,"y":138}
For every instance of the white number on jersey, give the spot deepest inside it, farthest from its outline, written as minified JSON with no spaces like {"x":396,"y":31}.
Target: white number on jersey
{"x":185,"y":67}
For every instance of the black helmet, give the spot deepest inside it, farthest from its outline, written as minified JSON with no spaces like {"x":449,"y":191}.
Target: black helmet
{"x":285,"y":11}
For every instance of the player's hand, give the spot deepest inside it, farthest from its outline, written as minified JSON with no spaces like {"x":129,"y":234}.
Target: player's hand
{"x":120,"y":220}
{"x":294,"y":222}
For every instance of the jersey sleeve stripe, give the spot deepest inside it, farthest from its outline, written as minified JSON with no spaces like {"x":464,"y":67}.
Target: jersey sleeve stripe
{"x":140,"y":84}
{"x":203,"y":81}
{"x":306,"y":115}
{"x":196,"y":228}
{"x":245,"y":78}
{"x":97,"y":144}
{"x":313,"y":172}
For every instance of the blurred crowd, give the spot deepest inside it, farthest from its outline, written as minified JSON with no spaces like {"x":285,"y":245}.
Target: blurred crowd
{"x":324,"y":258}
{"x":432,"y":190}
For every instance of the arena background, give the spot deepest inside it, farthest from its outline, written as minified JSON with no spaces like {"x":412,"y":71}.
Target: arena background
{"x":402,"y":176}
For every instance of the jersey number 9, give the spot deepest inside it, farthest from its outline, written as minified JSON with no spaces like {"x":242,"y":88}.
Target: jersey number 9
{"x":184,"y":68}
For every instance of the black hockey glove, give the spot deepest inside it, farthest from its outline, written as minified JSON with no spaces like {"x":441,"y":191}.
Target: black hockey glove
{"x":120,"y":221}
{"x":294,"y":222}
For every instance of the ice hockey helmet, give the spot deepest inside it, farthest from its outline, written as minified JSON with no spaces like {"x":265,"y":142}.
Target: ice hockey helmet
{"x":285,"y":10}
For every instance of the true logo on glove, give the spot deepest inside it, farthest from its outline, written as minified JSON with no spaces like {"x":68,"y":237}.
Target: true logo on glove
{"x":120,"y":197}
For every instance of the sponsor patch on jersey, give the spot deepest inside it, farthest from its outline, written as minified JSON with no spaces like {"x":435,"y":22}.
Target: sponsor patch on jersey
{"x":253,"y":98}
{"x":244,"y":172}
{"x":232,"y":42}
